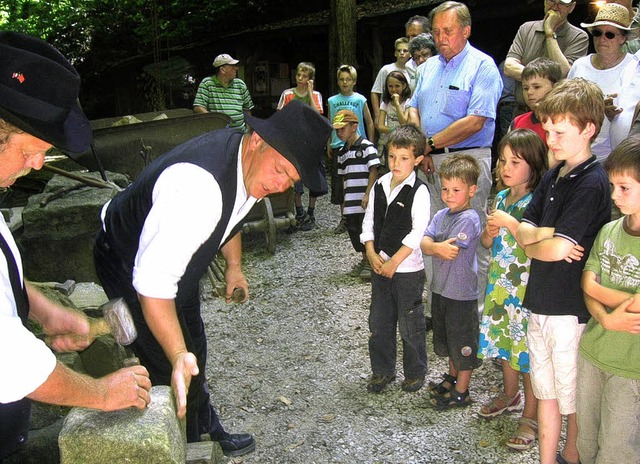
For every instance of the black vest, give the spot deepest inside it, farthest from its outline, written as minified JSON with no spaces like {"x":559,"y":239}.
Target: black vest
{"x":14,"y":417}
{"x":217,"y":153}
{"x":391,"y":223}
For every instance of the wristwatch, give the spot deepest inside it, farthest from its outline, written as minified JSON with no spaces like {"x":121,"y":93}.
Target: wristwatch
{"x":551,"y":36}
{"x":431,"y":143}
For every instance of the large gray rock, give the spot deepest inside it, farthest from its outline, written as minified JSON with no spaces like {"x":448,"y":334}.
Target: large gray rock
{"x":58,"y":237}
{"x":152,"y":436}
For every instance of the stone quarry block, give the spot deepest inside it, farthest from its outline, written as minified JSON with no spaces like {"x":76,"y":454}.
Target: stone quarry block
{"x":103,"y":356}
{"x":152,"y":436}
{"x":58,"y":237}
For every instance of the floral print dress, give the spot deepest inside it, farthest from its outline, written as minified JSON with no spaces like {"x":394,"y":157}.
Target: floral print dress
{"x":503,"y":328}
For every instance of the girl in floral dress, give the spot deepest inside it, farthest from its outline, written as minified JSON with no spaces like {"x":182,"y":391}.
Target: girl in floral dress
{"x":521,"y":165}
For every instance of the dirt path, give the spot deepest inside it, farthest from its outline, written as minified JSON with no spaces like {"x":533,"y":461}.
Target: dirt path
{"x":291,"y":365}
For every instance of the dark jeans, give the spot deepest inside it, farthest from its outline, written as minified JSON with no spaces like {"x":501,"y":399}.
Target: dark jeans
{"x":116,"y":278}
{"x":397,"y":302}
{"x":353,"y":223}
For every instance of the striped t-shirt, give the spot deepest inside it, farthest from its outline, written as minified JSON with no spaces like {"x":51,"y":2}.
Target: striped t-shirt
{"x":354,"y":164}
{"x":232,"y":100}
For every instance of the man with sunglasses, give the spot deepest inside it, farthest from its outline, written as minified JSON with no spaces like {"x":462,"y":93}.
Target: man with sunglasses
{"x":552,"y":37}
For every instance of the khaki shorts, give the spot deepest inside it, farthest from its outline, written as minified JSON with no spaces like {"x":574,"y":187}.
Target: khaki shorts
{"x":553,"y":349}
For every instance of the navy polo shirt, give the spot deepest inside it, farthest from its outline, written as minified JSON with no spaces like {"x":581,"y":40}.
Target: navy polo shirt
{"x":577,"y":206}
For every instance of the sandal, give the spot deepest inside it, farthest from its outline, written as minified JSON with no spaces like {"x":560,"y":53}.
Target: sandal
{"x":452,"y":399}
{"x":439,"y":389}
{"x":526,"y":433}
{"x":561,"y":460}
{"x":501,"y":404}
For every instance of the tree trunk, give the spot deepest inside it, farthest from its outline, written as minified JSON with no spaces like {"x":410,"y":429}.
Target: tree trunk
{"x":342,"y":38}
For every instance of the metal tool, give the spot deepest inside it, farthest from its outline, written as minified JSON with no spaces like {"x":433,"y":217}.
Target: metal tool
{"x":116,"y":321}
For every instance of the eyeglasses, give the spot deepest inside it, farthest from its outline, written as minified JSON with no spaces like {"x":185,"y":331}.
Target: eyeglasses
{"x":608,"y":35}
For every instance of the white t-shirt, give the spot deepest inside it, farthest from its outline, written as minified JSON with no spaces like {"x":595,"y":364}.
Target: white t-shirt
{"x":25,"y":361}
{"x":609,"y":82}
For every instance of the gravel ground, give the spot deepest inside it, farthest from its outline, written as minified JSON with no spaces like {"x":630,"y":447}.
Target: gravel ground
{"x":290,"y":366}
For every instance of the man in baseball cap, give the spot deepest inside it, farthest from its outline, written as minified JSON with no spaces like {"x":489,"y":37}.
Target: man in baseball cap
{"x":160,"y":234}
{"x":223,"y":92}
{"x":38,"y":110}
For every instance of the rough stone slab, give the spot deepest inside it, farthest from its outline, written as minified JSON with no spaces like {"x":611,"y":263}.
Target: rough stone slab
{"x":204,"y":452}
{"x":103,"y":356}
{"x":152,"y":436}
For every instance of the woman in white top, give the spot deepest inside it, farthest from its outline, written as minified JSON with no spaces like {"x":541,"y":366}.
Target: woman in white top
{"x":604,"y":67}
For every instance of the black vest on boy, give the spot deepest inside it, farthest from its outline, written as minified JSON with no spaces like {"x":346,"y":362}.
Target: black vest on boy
{"x":391,"y":223}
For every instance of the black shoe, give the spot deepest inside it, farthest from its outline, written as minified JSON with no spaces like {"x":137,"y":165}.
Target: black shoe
{"x":237,"y":444}
{"x":378,"y":382}
{"x":412,"y":385}
{"x":309,"y":224}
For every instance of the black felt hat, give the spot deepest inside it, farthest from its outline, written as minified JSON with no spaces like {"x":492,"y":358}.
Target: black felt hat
{"x":299,"y":134}
{"x":39,"y":92}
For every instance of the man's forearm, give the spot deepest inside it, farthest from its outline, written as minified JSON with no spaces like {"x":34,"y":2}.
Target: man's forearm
{"x":161,"y":316}
{"x":513,"y":69}
{"x":458,"y":131}
{"x":555,"y":54}
{"x":232,"y":251}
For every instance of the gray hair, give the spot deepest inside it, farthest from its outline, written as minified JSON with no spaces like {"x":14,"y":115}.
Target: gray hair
{"x":422,"y":41}
{"x":462,"y":12}
{"x":7,"y":130}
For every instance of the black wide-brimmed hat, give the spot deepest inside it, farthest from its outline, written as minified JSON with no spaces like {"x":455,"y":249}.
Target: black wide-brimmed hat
{"x":299,"y":134}
{"x":39,"y":93}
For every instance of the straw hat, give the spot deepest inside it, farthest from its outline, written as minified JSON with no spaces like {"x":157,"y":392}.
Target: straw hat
{"x":611,"y":14}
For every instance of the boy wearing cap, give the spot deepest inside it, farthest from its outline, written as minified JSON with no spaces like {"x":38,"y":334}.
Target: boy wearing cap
{"x":159,"y":235}
{"x":224,"y":93}
{"x":358,"y":167}
{"x":38,"y":109}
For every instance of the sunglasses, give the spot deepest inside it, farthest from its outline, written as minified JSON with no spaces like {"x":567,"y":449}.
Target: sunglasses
{"x":609,"y":35}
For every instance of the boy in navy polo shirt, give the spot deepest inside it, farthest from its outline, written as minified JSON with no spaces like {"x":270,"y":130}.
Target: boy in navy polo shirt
{"x":558,"y":229}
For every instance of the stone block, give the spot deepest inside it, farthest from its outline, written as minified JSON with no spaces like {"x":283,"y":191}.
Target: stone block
{"x":103,"y":356}
{"x":58,"y":237}
{"x":152,"y":436}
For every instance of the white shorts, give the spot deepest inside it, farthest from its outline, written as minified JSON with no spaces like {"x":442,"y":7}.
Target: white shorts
{"x":553,"y":350}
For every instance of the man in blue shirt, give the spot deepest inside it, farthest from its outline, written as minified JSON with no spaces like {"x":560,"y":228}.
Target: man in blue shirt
{"x":455,"y":103}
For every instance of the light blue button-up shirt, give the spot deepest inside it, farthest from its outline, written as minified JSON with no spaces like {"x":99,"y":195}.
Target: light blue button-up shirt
{"x":469,"y":84}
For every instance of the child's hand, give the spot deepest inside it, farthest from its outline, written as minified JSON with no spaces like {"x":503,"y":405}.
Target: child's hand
{"x":375,"y":260}
{"x":576,"y":254}
{"x":387,"y":269}
{"x":623,"y":320}
{"x":447,"y":250}
{"x":365,"y":201}
{"x":310,"y":86}
{"x":498,"y":218}
{"x":395,"y":98}
{"x":492,"y":231}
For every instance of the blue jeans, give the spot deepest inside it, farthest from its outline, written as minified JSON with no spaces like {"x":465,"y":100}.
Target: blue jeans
{"x":397,"y":303}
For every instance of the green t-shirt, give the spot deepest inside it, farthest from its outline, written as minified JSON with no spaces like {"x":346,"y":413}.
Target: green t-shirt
{"x":615,"y":258}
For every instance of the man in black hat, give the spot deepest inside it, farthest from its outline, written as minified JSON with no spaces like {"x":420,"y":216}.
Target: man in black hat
{"x":38,"y":109}
{"x":160,"y":234}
